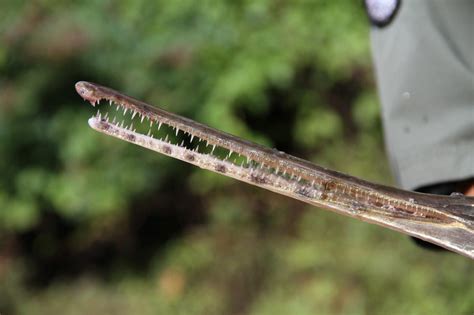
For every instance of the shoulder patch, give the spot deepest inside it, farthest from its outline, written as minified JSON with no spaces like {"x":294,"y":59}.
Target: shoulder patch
{"x":382,"y":12}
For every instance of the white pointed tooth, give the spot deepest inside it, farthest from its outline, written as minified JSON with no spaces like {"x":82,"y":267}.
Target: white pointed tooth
{"x":192,"y":137}
{"x":213,"y":148}
{"x":197,"y":148}
{"x":135,"y":130}
{"x":117,"y":108}
{"x":151,"y":123}
{"x":110,"y":102}
{"x":182,"y":143}
{"x":131,"y":126}
{"x":143,"y":117}
{"x":159,"y":125}
{"x":134,"y":113}
{"x":121,"y":124}
{"x":115,"y":120}
{"x":177,"y":130}
{"x":125,"y":110}
{"x":149,"y":132}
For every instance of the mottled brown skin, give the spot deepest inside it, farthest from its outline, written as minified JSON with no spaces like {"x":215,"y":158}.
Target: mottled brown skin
{"x":221,"y":168}
{"x":442,"y":220}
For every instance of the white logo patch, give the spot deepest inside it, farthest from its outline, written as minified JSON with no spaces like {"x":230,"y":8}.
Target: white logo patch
{"x":381,"y":12}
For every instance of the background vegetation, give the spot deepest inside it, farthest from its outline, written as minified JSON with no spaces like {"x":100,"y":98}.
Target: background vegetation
{"x":92,"y":225}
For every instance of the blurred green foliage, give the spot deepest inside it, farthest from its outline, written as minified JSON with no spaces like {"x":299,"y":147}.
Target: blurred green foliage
{"x":291,"y":74}
{"x":210,"y":60}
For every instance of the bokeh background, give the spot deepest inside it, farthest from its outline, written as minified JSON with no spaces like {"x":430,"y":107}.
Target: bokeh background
{"x":93,"y":225}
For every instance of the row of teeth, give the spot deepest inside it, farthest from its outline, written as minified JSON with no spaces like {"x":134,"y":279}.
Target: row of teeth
{"x":254,"y":165}
{"x":247,"y":162}
{"x":106,"y":118}
{"x":114,"y":121}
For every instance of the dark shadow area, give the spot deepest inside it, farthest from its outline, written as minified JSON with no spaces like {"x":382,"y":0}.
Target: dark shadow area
{"x":278,"y":122}
{"x":150,"y":222}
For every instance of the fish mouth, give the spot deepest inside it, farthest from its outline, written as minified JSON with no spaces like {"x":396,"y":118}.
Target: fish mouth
{"x":446,"y":221}
{"x":176,"y":136}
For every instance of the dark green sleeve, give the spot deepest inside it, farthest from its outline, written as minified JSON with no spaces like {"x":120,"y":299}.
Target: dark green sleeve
{"x":424,"y":62}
